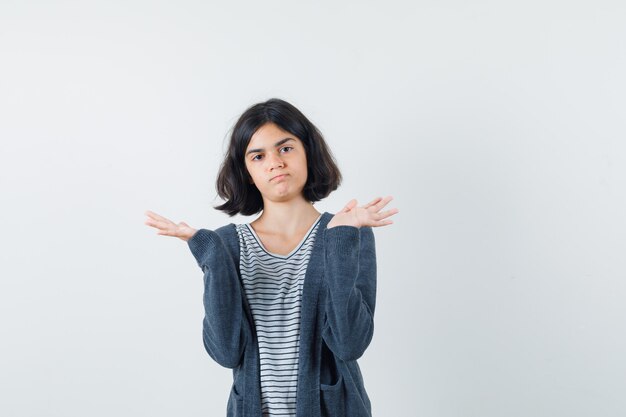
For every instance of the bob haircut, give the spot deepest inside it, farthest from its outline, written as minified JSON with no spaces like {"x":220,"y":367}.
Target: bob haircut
{"x":233,"y":181}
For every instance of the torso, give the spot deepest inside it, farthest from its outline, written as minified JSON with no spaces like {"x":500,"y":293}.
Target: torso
{"x":273,"y":282}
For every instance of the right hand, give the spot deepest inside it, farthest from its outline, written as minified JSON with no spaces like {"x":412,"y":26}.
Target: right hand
{"x":168,"y":228}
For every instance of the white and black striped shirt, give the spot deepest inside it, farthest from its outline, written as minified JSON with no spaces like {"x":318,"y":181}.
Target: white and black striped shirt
{"x":273,"y":286}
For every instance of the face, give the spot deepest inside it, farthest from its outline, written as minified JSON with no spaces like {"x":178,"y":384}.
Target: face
{"x":272,"y":152}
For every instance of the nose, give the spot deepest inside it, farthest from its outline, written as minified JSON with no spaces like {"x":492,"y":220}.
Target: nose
{"x":275,"y":161}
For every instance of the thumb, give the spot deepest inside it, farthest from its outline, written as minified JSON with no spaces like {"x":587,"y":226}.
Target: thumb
{"x":351,"y":204}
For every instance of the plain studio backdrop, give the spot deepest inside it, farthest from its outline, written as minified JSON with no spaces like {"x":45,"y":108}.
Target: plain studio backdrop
{"x":498,"y":127}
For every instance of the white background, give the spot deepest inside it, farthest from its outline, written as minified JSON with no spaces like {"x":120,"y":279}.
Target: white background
{"x":497,"y":126}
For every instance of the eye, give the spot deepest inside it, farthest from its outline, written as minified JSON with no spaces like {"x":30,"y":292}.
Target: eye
{"x":254,"y":158}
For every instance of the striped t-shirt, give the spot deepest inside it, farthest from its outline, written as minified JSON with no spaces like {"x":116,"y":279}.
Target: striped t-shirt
{"x":273,"y":286}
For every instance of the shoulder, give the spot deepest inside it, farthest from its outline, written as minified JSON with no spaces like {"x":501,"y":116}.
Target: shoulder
{"x":229,"y":235}
{"x":228,"y":231}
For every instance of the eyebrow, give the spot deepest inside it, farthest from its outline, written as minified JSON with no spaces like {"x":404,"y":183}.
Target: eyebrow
{"x":280,"y":142}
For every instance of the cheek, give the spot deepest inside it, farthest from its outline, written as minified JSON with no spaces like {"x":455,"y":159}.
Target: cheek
{"x":303,"y":164}
{"x":249,"y":172}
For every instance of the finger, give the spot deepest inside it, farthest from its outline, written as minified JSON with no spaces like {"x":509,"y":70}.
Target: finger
{"x":155,"y":216}
{"x":150,"y":214}
{"x":382,"y":203}
{"x":166,"y":233}
{"x":153,"y":223}
{"x":371,"y":203}
{"x":351,"y":204}
{"x":159,"y":224}
{"x":379,"y":223}
{"x":384,"y":214}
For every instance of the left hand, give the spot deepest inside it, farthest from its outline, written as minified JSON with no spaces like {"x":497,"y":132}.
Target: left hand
{"x":367,"y":215}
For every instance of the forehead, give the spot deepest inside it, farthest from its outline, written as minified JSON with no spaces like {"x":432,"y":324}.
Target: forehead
{"x":267,"y":135}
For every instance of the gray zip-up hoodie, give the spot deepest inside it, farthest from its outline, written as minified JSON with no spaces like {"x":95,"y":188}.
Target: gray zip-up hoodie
{"x":337,"y":320}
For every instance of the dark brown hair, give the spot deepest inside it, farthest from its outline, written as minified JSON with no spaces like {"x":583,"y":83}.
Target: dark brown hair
{"x":233,"y":185}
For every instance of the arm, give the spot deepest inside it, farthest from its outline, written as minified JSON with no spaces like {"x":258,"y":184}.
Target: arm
{"x":350,"y":278}
{"x":222,"y":326}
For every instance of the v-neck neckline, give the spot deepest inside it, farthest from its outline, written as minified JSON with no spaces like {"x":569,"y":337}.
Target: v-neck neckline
{"x":294,"y":250}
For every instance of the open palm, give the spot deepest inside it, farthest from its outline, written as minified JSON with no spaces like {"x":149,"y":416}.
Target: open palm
{"x":367,"y":215}
{"x":167,"y":227}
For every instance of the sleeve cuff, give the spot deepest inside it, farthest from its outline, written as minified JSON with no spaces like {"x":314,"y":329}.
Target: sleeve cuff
{"x":342,"y":240}
{"x":200,"y":243}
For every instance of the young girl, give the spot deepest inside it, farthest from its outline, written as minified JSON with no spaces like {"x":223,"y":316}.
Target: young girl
{"x":289,"y":298}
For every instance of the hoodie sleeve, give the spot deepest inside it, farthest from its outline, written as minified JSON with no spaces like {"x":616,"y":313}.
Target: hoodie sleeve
{"x":222,"y":326}
{"x":350,"y":279}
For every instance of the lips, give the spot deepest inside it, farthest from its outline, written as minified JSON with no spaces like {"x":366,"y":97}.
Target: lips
{"x":278,"y":177}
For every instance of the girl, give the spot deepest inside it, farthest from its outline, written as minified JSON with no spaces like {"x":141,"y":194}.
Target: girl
{"x":289,"y":298}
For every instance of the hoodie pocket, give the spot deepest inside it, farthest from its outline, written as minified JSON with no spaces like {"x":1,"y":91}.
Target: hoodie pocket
{"x":332,"y":399}
{"x":235,"y":403}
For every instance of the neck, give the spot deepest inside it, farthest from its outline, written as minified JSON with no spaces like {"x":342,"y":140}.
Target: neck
{"x":286,"y":218}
